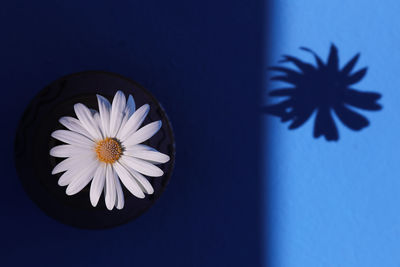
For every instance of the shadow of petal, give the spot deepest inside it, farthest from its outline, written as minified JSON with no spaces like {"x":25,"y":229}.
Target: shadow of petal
{"x":325,"y":126}
{"x":301,"y":119}
{"x":350,"y":118}
{"x":350,"y":65}
{"x":356,"y":77}
{"x":363,"y":100}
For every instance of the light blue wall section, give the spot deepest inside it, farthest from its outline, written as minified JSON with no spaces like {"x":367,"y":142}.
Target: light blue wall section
{"x":338,"y":203}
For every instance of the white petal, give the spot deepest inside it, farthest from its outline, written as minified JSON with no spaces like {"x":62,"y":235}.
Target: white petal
{"x":65,"y":151}
{"x":69,"y":163}
{"x":138,"y":147}
{"x":129,"y":110}
{"x":143,"y":134}
{"x":96,"y":118}
{"x":128,"y":181}
{"x":97,"y":184}
{"x":152,"y":156}
{"x":117,"y":113}
{"x":130,"y":106}
{"x":97,"y":121}
{"x":142,"y":166}
{"x":67,"y":177}
{"x":86,"y":118}
{"x":64,"y":165}
{"x":134,"y":122}
{"x":143,"y":182}
{"x":74,"y":125}
{"x":120,"y":201}
{"x":82,"y":178}
{"x":104,"y":109}
{"x":73,"y":138}
{"x":110,"y":188}
{"x":73,"y":173}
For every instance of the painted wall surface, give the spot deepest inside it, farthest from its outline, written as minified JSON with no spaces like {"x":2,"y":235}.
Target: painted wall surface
{"x":337,"y":203}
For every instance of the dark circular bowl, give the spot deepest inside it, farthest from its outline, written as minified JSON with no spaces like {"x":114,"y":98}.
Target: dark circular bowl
{"x":33,"y":143}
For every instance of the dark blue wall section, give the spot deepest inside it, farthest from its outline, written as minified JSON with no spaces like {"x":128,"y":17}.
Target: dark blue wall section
{"x":203,"y":60}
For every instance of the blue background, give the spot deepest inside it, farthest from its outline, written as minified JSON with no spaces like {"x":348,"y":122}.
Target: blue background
{"x":312,"y":203}
{"x":337,"y":203}
{"x":204,"y":62}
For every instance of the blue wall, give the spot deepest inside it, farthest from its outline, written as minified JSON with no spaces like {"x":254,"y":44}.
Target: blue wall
{"x":203,"y":61}
{"x":337,"y":203}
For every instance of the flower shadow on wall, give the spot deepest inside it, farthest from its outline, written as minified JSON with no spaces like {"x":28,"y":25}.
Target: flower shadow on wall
{"x":322,"y":88}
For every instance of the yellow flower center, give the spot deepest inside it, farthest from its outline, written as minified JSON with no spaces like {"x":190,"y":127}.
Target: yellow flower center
{"x":108,"y":150}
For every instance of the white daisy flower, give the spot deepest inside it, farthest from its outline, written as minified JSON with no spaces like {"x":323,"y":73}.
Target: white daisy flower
{"x":105,"y":148}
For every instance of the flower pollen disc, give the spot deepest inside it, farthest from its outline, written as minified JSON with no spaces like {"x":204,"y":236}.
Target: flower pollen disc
{"x":108,"y":150}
